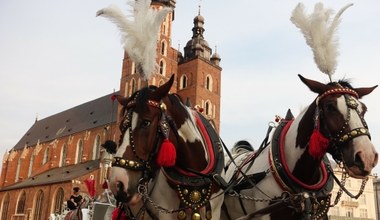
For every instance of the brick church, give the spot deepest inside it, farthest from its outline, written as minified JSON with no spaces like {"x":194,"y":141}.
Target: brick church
{"x":64,"y":150}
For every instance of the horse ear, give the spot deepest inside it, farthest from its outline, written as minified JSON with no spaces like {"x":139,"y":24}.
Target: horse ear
{"x":163,"y":90}
{"x":314,"y":86}
{"x":364,"y":91}
{"x":121,"y":99}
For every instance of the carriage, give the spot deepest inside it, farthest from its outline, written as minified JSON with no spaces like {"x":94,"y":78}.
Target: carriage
{"x":171,"y":164}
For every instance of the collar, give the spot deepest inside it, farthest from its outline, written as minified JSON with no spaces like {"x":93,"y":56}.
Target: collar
{"x":280,"y":169}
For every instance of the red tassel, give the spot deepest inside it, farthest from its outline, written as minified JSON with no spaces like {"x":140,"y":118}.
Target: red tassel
{"x":167,"y":154}
{"x":116,"y":213}
{"x":318,"y":144}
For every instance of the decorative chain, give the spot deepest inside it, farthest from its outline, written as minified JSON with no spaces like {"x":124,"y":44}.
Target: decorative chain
{"x":246,"y":197}
{"x":143,"y":191}
{"x":343,"y":188}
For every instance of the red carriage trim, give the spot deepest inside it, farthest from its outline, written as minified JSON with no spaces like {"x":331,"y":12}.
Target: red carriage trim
{"x":313,"y":187}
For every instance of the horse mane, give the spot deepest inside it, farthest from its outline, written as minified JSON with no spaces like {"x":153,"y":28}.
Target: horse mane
{"x":343,"y":82}
{"x":241,"y":146}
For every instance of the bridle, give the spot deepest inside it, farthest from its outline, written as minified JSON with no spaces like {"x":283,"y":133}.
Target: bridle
{"x":342,"y":137}
{"x":144,"y":165}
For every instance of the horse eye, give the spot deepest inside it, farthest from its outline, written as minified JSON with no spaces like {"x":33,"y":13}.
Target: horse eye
{"x":330,"y":107}
{"x":145,"y":123}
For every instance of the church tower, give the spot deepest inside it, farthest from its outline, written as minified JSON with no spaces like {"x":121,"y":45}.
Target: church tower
{"x":197,"y":71}
{"x":199,"y":74}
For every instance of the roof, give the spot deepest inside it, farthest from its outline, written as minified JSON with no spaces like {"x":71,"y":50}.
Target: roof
{"x":95,"y":113}
{"x":57,"y":175}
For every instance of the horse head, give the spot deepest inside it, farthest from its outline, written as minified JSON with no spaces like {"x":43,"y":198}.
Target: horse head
{"x":141,"y":133}
{"x":339,"y":126}
{"x":154,"y":123}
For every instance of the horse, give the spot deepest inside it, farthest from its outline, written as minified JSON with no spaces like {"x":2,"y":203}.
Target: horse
{"x":168,"y":159}
{"x":289,"y":176}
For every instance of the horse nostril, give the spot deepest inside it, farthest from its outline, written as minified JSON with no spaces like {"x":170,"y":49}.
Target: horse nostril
{"x":358,"y":160}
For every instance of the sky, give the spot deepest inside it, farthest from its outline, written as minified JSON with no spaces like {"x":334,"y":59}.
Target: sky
{"x":55,"y":55}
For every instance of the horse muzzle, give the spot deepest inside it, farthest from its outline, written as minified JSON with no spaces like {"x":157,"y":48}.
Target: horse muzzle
{"x":119,"y":185}
{"x":362,"y":163}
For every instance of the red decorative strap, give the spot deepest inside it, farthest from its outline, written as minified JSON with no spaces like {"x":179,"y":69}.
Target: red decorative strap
{"x":338,"y":91}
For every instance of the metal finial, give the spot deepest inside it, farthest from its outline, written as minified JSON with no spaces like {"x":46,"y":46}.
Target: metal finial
{"x":199,"y":7}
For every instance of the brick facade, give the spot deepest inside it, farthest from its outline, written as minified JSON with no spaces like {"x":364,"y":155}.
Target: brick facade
{"x":63,"y":150}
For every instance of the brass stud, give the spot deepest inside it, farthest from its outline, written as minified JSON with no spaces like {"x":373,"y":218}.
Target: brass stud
{"x":185,"y":191}
{"x":345,"y":137}
{"x":195,"y":196}
{"x":196,"y":216}
{"x":163,"y":106}
{"x":181,"y":215}
{"x":131,"y":163}
{"x":122,"y":162}
{"x":353,"y":133}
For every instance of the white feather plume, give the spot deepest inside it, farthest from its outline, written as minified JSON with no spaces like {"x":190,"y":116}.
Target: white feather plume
{"x":320,"y":34}
{"x":139,"y":34}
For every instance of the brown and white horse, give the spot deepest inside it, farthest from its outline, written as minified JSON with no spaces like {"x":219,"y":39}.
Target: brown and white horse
{"x":167,"y":157}
{"x":289,"y":178}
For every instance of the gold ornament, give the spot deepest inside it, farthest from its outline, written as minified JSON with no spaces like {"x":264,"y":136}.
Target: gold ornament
{"x":196,"y":216}
{"x":181,"y":215}
{"x":195,"y":196}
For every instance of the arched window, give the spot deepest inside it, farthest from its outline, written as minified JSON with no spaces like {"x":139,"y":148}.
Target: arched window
{"x":209,"y":82}
{"x":18,"y":169}
{"x":183,"y":82}
{"x":46,"y":156}
{"x":62,"y":161}
{"x":133,"y":86}
{"x":133,"y":68}
{"x":163,"y":29}
{"x":5,"y":207}
{"x":31,"y":162}
{"x":38,"y":205}
{"x":58,"y":201}
{"x":163,"y":48}
{"x":162,"y":68}
{"x":79,"y":153}
{"x":126,"y":90}
{"x":21,"y":203}
{"x":208,"y":108}
{"x":96,"y":148}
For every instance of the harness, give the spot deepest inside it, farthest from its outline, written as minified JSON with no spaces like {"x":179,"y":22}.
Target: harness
{"x":286,"y":180}
{"x":194,"y":188}
{"x":312,"y":201}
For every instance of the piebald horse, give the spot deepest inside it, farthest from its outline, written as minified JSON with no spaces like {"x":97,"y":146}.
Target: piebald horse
{"x":166,"y":159}
{"x":291,"y":178}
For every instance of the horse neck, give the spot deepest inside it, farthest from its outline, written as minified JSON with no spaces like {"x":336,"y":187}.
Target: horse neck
{"x":191,"y":147}
{"x":300,"y":163}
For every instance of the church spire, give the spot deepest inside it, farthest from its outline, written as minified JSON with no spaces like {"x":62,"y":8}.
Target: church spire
{"x":198,"y":46}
